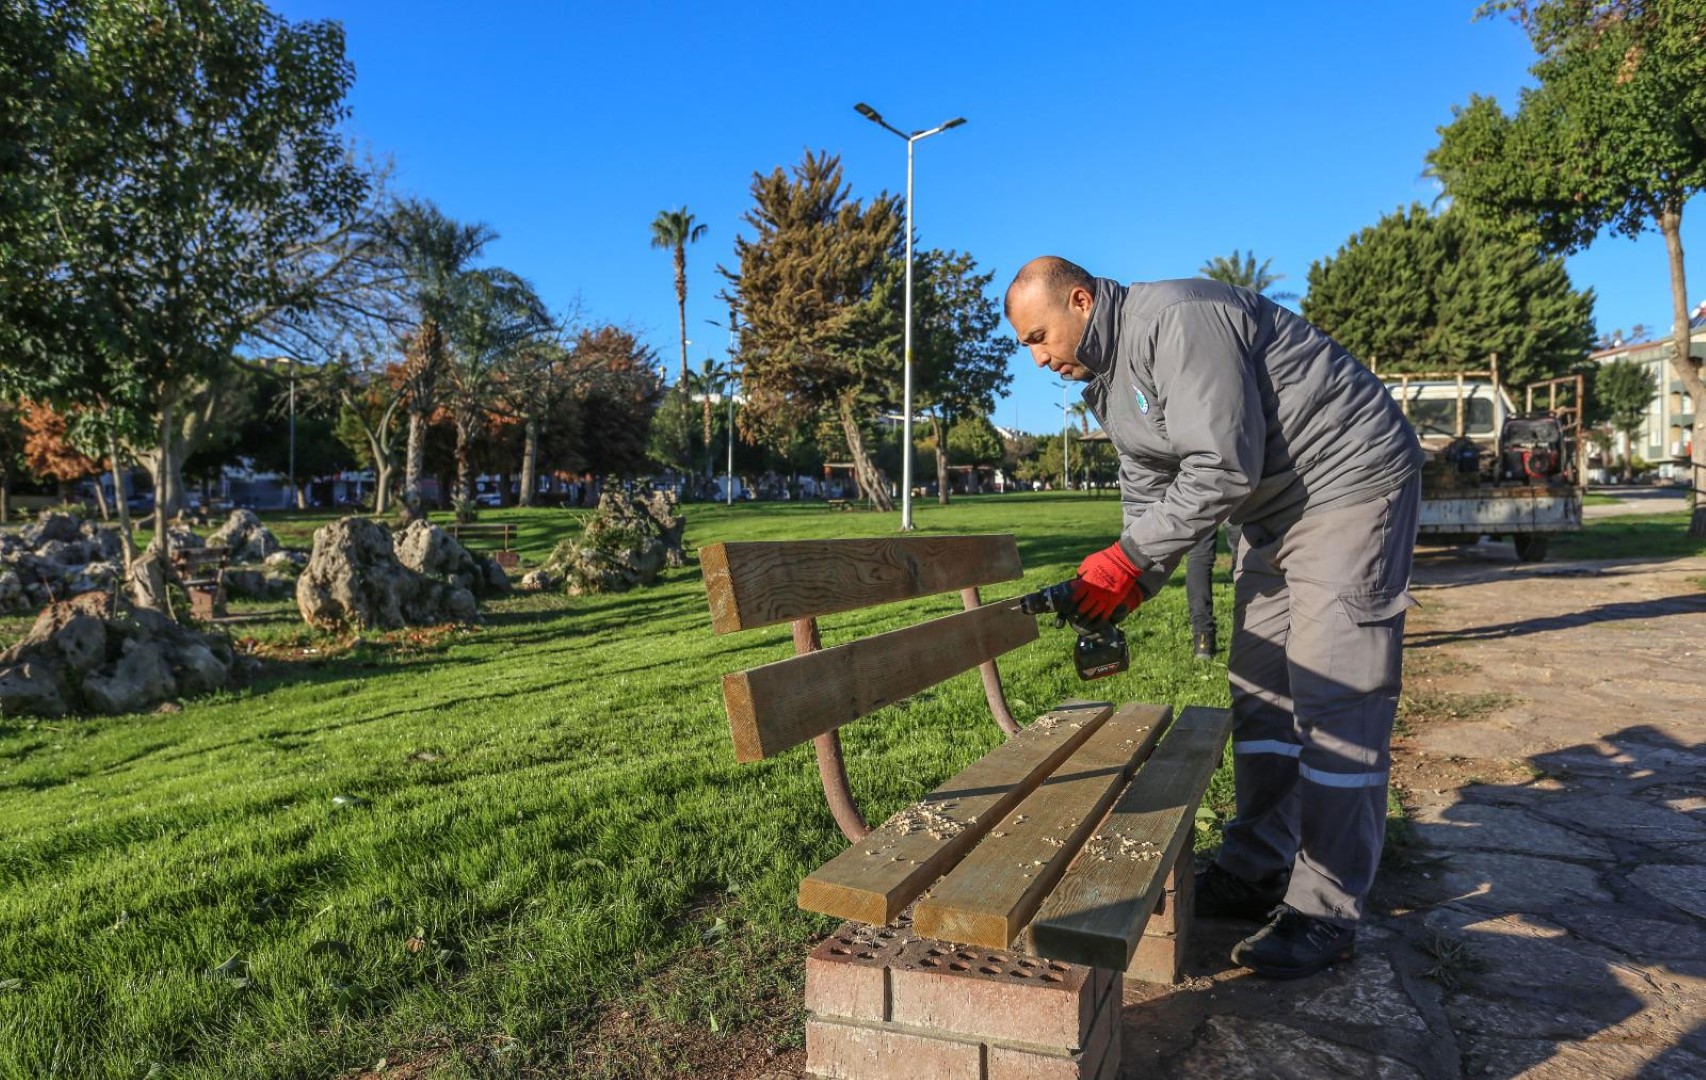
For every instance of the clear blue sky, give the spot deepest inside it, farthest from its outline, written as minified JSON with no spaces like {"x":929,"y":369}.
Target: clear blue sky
{"x":1136,"y":142}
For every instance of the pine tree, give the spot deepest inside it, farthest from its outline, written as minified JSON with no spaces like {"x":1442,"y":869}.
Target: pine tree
{"x":814,"y":288}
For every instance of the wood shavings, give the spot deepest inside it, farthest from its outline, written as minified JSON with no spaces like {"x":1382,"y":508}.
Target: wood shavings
{"x":1107,"y":848}
{"x":928,"y":819}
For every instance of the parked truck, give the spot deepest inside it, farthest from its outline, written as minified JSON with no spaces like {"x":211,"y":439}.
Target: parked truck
{"x":1491,"y":470}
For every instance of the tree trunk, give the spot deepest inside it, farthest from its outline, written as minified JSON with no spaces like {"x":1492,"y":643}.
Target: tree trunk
{"x":1670,"y":223}
{"x":100,"y":499}
{"x":382,"y":471}
{"x":864,"y":473}
{"x":150,"y":571}
{"x":6,"y":495}
{"x":941,"y":458}
{"x":414,"y":464}
{"x":119,"y":503}
{"x":710,"y":455}
{"x":464,"y":489}
{"x":681,"y":305}
{"x":529,"y":462}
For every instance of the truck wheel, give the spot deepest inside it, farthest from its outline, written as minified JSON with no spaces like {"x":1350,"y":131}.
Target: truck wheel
{"x":1530,"y":547}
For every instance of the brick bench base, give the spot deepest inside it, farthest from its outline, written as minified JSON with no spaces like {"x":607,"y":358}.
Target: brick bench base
{"x":886,"y":1003}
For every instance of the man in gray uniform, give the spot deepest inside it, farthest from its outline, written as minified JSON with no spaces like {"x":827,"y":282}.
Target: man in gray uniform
{"x":1225,"y":406}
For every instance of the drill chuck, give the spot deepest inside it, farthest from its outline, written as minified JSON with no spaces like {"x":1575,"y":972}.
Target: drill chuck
{"x":1101,"y":648}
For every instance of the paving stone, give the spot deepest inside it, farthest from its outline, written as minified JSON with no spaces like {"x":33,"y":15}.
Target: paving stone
{"x":1518,"y":1018}
{"x":1523,"y":956}
{"x":1476,"y":826}
{"x":1233,"y":1048}
{"x":1649,"y":941}
{"x":1628,"y":819}
{"x":1534,"y":1059}
{"x":1679,"y":886}
{"x":1519,"y":882}
{"x":1365,"y":991}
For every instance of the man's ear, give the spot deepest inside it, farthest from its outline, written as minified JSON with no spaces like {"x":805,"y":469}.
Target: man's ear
{"x":1080,"y":300}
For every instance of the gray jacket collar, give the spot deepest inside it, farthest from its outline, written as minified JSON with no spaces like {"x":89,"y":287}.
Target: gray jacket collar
{"x":1101,"y":334}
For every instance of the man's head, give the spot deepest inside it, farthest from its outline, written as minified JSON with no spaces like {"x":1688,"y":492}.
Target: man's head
{"x":1049,"y":305}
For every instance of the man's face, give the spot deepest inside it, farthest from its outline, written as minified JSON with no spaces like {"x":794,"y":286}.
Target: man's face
{"x":1052,"y":329}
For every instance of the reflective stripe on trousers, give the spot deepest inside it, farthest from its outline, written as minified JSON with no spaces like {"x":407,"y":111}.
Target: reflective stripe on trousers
{"x":1315,"y":669}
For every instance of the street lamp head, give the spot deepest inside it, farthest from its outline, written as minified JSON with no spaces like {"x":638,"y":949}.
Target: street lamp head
{"x":954,"y":123}
{"x":868,"y":113}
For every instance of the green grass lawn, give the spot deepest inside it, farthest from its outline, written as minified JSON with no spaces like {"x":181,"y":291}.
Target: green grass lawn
{"x":519,"y":850}
{"x":482,"y":848}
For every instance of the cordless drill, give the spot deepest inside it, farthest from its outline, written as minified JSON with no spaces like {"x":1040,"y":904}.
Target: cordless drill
{"x":1101,"y":650}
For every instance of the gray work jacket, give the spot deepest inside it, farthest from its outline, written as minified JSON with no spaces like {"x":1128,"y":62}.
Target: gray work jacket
{"x":1225,"y":406}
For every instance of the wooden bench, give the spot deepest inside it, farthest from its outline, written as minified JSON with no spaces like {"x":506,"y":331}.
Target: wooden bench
{"x":839,"y":504}
{"x":201,"y":571}
{"x":503,"y":534}
{"x":1059,"y":843}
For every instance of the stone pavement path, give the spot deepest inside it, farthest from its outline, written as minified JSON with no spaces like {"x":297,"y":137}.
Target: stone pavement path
{"x":1548,"y":916}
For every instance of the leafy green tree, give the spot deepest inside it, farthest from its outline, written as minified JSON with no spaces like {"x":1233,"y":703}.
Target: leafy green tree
{"x":617,"y":401}
{"x":537,"y":389}
{"x":959,"y":353}
{"x":1242,"y":271}
{"x":1625,"y":392}
{"x":186,"y":178}
{"x":1420,"y":292}
{"x":817,"y":320}
{"x":973,"y":440}
{"x":1611,"y":137}
{"x":673,"y":230}
{"x":11,"y":455}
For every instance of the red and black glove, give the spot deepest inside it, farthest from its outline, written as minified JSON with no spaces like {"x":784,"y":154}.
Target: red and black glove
{"x":1107,"y":586}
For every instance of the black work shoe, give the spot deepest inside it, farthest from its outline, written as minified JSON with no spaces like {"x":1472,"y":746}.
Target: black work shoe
{"x":1221,"y":894}
{"x":1294,"y":945}
{"x":1205,"y":649}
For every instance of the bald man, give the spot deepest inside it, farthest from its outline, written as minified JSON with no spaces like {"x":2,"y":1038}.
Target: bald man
{"x":1226,"y":407}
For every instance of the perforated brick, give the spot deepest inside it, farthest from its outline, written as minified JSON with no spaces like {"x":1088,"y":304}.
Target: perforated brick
{"x":844,"y":1051}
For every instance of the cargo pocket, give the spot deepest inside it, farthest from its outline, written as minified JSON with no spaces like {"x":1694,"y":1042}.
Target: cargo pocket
{"x":1368,"y":649}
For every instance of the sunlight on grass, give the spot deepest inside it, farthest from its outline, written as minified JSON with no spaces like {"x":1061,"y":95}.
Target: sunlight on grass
{"x":487,"y":843}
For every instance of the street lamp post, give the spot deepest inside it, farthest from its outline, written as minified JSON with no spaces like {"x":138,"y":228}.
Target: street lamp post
{"x":1065,"y":436}
{"x":729,"y":391}
{"x":906,"y":402}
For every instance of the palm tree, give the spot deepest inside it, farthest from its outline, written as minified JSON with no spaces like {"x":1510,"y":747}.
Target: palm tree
{"x":430,"y":253}
{"x":1242,"y":271}
{"x":675,"y":229}
{"x":713,"y":380}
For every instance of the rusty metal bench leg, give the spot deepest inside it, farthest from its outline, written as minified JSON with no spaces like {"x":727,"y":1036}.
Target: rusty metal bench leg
{"x":831,"y":767}
{"x":991,"y":677}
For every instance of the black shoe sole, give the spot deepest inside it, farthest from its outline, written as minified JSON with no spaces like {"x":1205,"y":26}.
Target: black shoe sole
{"x":1282,"y":973}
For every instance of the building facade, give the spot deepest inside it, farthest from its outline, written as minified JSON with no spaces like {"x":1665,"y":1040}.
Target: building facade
{"x":1666,"y":438}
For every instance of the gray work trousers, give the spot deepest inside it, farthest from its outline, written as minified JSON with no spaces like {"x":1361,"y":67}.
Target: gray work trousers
{"x":1317,"y":649}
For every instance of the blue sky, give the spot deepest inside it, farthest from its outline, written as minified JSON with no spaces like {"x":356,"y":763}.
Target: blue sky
{"x":1136,"y":139}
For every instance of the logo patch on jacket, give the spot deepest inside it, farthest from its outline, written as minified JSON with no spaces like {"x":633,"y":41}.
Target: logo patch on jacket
{"x":1142,"y":402}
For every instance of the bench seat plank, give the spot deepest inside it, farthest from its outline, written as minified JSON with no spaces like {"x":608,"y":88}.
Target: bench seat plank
{"x":990,"y":896}
{"x":873,"y":880}
{"x":763,"y":583}
{"x":790,"y":701}
{"x":1097,"y":914}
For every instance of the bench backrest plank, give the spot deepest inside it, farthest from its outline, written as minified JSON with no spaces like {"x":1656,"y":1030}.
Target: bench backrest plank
{"x":1097,"y":913}
{"x":990,"y":896}
{"x":790,"y":701}
{"x":764,"y":583}
{"x":876,"y":878}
